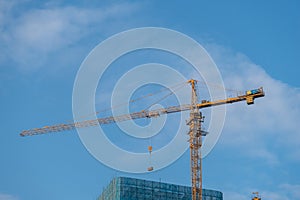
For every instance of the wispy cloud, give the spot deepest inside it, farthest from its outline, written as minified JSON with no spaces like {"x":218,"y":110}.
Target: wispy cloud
{"x":260,"y":130}
{"x":28,"y":37}
{"x":235,"y":196}
{"x":274,"y":196}
{"x":292,"y":190}
{"x":280,"y":192}
{"x":7,"y":197}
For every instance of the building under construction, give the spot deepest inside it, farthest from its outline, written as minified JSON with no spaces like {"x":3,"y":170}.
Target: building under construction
{"x":123,"y":188}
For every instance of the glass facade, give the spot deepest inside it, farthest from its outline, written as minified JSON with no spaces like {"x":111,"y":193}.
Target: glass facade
{"x":123,"y":188}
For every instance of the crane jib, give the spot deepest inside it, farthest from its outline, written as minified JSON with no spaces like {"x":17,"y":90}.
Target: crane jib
{"x":249,"y":97}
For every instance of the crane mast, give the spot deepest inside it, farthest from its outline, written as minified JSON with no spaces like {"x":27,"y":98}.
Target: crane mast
{"x":195,"y":141}
{"x":194,"y":123}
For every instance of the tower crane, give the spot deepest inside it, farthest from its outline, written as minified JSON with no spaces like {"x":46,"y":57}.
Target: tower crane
{"x":194,"y":123}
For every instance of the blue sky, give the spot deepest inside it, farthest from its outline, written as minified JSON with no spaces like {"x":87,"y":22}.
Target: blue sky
{"x":254,"y":44}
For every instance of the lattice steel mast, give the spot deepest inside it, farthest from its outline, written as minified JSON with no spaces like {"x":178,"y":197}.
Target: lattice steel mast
{"x":195,"y":140}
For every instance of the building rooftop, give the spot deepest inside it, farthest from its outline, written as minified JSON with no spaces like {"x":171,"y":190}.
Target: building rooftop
{"x":124,"y":188}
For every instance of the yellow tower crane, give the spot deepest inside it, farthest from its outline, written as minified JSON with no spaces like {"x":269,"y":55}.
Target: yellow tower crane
{"x":194,"y":123}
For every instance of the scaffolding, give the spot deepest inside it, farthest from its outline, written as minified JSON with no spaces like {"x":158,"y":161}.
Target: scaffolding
{"x":124,"y":188}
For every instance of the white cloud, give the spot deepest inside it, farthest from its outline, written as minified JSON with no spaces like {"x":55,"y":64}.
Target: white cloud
{"x":292,"y":190}
{"x":29,"y":37}
{"x":281,"y":192}
{"x":7,"y":197}
{"x":267,"y":128}
{"x":234,"y":196}
{"x":5,"y":7}
{"x":274,"y":196}
{"x":50,"y":29}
